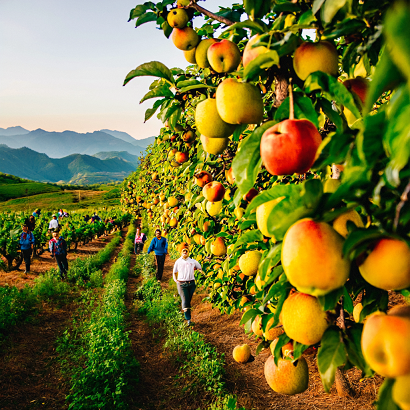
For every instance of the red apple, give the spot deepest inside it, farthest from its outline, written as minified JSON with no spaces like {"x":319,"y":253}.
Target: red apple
{"x":290,"y":147}
{"x":224,"y":56}
{"x":181,"y":157}
{"x":188,"y":136}
{"x":358,"y":86}
{"x":250,"y":195}
{"x":214,"y":191}
{"x":202,"y":178}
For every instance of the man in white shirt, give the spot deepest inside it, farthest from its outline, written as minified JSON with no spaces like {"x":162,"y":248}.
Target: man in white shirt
{"x":184,"y":267}
{"x":53,"y":223}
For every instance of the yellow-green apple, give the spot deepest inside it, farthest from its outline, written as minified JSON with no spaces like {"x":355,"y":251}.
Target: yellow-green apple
{"x":388,"y":265}
{"x":181,"y":157}
{"x":214,"y":146}
{"x":177,"y":18}
{"x":214,"y":208}
{"x":303,"y":319}
{"x":287,"y":377}
{"x":250,"y":52}
{"x":239,"y":103}
{"x":190,"y":55}
{"x":249,"y":262}
{"x":213,"y":191}
{"x":401,"y":392}
{"x":241,"y":354}
{"x":271,"y":333}
{"x":385,"y":342}
{"x":183,"y":3}
{"x":172,"y":201}
{"x":202,"y":178}
{"x":340,"y":223}
{"x":208,"y":121}
{"x":201,"y":54}
{"x":224,"y":56}
{"x":290,"y":147}
{"x":185,"y":38}
{"x":310,"y":57}
{"x":262,"y":214}
{"x":312,"y":257}
{"x":230,"y":177}
{"x":257,"y":326}
{"x":218,"y":247}
{"x":188,"y":136}
{"x":250,"y":195}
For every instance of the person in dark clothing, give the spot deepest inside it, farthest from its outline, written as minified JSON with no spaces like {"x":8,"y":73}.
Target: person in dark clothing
{"x":87,"y":218}
{"x":159,"y":244}
{"x":58,"y":249}
{"x":31,"y":223}
{"x":27,"y":245}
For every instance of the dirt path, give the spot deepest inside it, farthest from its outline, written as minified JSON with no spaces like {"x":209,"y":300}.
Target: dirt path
{"x":247,"y":381}
{"x":30,"y":375}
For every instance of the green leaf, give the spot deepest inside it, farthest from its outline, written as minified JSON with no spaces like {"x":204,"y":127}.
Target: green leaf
{"x":330,"y":356}
{"x":166,"y":28}
{"x":282,"y":340}
{"x":140,"y":10}
{"x":247,"y":162}
{"x":270,"y":261}
{"x":360,"y":237}
{"x":249,"y":315}
{"x":397,"y":32}
{"x":151,"y":111}
{"x":329,"y":301}
{"x":347,"y":301}
{"x":161,"y":91}
{"x":317,"y":4}
{"x":194,"y":87}
{"x":312,"y":193}
{"x":145,"y":18}
{"x":259,"y":64}
{"x":386,"y":77}
{"x":385,"y":399}
{"x":344,"y":28}
{"x":153,"y":68}
{"x":254,"y":235}
{"x":354,"y":348}
{"x":256,"y":27}
{"x":256,"y":8}
{"x":322,"y":81}
{"x":298,"y":350}
{"x":331,"y":113}
{"x":303,"y":109}
{"x":330,"y":9}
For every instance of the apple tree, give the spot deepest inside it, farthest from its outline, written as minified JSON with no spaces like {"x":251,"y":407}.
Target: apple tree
{"x":284,"y":164}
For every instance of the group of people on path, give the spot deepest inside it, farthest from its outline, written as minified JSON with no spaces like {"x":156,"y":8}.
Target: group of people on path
{"x":184,"y":268}
{"x":57,"y":244}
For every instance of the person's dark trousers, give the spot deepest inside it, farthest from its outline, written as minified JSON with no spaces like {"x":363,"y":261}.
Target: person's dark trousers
{"x":62,"y":265}
{"x":160,"y":265}
{"x":138,"y":247}
{"x":26,"y":256}
{"x":186,"y":291}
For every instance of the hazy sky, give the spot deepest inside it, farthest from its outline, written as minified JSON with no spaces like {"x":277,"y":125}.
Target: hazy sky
{"x":63,"y":64}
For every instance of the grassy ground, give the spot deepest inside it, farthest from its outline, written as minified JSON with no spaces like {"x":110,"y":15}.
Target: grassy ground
{"x":68,"y":200}
{"x":9,"y":191}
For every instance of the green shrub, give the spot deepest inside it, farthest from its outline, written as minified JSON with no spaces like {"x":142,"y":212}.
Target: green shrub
{"x":50,"y":287}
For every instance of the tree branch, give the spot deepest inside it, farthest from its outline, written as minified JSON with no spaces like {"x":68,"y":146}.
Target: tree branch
{"x":208,"y":13}
{"x":404,"y":198}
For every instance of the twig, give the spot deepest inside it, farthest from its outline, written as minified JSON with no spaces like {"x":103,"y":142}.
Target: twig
{"x":403,"y":199}
{"x":208,"y":13}
{"x":291,"y":106}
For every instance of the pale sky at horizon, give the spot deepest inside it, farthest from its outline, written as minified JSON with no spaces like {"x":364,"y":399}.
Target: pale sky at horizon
{"x":63,"y":65}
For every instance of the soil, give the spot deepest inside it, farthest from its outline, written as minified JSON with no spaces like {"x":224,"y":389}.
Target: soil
{"x":30,"y":375}
{"x":156,"y":388}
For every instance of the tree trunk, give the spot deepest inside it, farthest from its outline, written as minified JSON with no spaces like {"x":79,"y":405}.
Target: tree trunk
{"x":281,"y":89}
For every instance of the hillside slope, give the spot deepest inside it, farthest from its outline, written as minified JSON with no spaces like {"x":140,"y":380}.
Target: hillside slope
{"x":26,"y":163}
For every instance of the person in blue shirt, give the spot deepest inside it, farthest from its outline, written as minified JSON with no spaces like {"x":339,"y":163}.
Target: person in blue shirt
{"x":26,"y":246}
{"x":58,"y":249}
{"x":159,"y":245}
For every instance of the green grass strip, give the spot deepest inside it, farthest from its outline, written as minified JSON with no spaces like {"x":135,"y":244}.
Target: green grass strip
{"x":98,"y":354}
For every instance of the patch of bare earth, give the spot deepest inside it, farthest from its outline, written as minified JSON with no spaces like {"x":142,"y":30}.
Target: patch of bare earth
{"x":156,"y":389}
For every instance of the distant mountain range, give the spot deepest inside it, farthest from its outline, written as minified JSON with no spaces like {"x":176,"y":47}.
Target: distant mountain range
{"x":74,"y":168}
{"x":61,"y":144}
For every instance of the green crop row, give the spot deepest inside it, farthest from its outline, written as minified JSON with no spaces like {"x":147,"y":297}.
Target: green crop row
{"x":96,"y":353}
{"x":199,"y":361}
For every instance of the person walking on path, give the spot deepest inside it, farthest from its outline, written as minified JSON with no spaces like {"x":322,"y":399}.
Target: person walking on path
{"x":27,"y":245}
{"x":58,"y":249}
{"x":159,"y":244}
{"x":185,"y":269}
{"x":31,"y":223}
{"x":139,"y":241}
{"x":53,"y":223}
